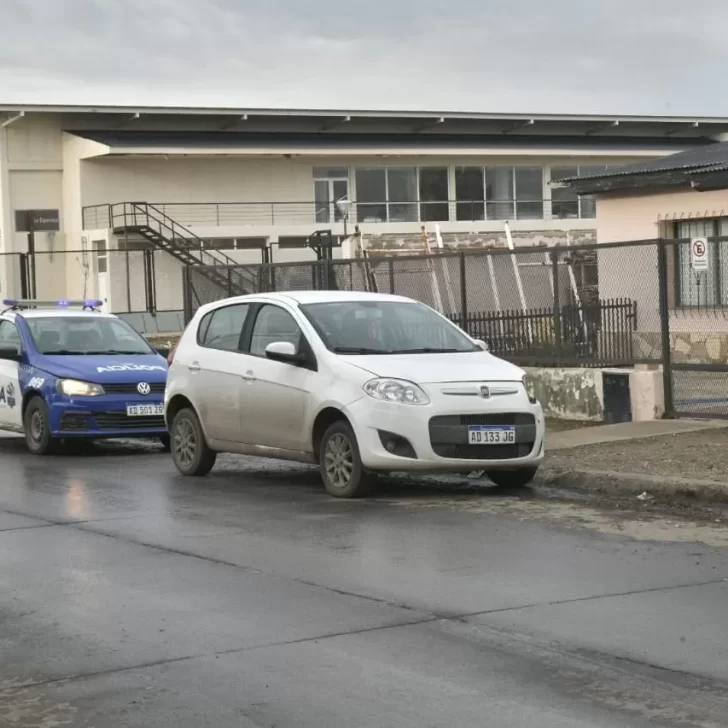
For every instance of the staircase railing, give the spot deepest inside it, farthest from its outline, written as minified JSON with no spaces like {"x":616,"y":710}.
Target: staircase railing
{"x":138,"y":215}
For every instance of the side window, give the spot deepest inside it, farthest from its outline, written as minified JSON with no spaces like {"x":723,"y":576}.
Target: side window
{"x":221,"y":328}
{"x":9,"y":336}
{"x":274,"y":324}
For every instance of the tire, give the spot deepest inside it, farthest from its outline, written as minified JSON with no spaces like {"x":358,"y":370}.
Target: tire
{"x":36,"y":423}
{"x":512,"y":478}
{"x":166,"y":443}
{"x":190,"y":451}
{"x":340,"y":463}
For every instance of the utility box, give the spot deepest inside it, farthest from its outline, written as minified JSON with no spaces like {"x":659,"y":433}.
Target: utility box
{"x":617,"y":397}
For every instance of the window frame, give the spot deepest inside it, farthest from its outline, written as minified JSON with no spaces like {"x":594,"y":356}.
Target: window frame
{"x":306,"y":349}
{"x":210,"y":314}
{"x":719,"y":282}
{"x":17,"y":331}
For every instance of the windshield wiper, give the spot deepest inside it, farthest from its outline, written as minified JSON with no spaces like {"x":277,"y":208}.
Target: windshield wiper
{"x":63,"y":352}
{"x":358,"y":350}
{"x":427,"y":350}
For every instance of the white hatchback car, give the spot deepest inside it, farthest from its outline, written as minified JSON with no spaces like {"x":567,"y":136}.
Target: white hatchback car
{"x":357,"y":383}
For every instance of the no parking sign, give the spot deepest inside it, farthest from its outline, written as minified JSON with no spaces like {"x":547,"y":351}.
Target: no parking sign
{"x":699,"y":254}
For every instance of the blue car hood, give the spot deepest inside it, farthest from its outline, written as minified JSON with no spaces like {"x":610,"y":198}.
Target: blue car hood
{"x":106,"y":369}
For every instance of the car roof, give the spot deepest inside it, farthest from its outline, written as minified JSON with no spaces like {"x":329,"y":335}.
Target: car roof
{"x":57,"y":313}
{"x":305,"y":297}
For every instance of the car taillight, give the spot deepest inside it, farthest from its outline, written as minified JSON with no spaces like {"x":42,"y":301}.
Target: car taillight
{"x":170,"y":356}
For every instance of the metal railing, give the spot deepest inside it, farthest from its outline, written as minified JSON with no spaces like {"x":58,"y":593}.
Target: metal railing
{"x":230,"y":214}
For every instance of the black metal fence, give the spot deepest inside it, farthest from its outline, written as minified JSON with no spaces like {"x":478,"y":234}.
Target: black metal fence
{"x":538,"y":306}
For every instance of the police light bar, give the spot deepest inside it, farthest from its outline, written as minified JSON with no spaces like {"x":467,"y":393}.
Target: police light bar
{"x":63,"y":302}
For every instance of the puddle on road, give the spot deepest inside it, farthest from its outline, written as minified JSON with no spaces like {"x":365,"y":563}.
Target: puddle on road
{"x":647,"y":527}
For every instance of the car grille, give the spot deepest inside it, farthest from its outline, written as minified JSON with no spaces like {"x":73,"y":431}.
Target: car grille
{"x":449,"y":436}
{"x":489,"y":418}
{"x":120,"y":421}
{"x":74,"y":422}
{"x":131,"y":388}
{"x":483,"y":452}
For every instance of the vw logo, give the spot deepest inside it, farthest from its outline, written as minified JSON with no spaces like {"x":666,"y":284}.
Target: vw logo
{"x":143,"y":388}
{"x":485,"y":392}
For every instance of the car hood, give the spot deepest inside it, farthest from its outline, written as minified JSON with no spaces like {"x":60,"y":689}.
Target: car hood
{"x":104,"y":368}
{"x":474,"y":366}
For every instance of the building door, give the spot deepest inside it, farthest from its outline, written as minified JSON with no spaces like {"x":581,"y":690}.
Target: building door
{"x":102,"y":272}
{"x":330,"y":185}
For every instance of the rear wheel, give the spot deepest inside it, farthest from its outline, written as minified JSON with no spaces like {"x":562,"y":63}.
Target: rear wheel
{"x":340,"y":463}
{"x":190,"y":451}
{"x":38,"y":428}
{"x":512,"y":478}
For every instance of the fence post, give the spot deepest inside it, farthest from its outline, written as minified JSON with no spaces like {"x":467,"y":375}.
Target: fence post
{"x":391,"y":275}
{"x":662,"y":282}
{"x":463,"y":295}
{"x":558,"y":338}
{"x":23,"y":275}
{"x":186,"y":295}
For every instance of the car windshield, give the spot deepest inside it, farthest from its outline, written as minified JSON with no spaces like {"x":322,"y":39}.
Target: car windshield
{"x":78,"y":335}
{"x":385,"y":327}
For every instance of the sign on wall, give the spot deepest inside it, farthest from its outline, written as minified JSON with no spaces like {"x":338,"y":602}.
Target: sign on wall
{"x":37,"y":221}
{"x":699,"y":254}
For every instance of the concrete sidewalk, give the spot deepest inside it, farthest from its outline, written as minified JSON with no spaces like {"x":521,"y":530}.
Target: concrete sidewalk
{"x":676,"y":459}
{"x":627,"y":431}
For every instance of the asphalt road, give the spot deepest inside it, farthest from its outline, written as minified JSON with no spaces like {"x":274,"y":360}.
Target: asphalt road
{"x":132,"y":597}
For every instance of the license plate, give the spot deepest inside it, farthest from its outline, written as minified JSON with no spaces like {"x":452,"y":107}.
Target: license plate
{"x":491,"y":435}
{"x":144,"y":410}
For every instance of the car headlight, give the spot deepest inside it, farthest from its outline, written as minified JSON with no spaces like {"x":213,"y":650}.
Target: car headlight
{"x":396,"y":390}
{"x":530,"y":391}
{"x":75,"y":388}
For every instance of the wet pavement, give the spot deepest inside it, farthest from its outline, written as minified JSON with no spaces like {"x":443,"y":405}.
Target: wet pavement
{"x":132,"y":597}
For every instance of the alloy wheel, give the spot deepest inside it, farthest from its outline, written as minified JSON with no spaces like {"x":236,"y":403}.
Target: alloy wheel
{"x":339,"y":460}
{"x":185,"y":442}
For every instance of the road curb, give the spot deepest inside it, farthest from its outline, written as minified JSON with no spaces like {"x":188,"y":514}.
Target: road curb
{"x":607,"y":481}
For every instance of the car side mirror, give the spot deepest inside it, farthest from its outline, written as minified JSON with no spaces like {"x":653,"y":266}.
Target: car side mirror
{"x":10,"y":354}
{"x":284,"y":351}
{"x":482,"y":344}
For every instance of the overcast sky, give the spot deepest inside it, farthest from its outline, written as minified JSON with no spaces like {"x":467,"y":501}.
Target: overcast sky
{"x":578,"y":56}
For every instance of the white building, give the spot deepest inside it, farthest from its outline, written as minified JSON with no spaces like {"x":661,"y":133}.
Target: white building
{"x":254,"y":184}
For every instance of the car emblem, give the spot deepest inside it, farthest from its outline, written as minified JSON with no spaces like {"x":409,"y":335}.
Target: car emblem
{"x":485,"y":392}
{"x":143,"y":388}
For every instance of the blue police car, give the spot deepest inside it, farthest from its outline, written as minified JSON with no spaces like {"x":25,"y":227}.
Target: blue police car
{"x":67,"y":370}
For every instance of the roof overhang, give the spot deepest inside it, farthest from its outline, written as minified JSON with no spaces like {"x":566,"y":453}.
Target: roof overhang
{"x":410,"y":121}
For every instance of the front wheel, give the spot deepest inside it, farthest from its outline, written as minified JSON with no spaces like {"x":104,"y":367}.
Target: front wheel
{"x":341,"y":468}
{"x":190,"y":452}
{"x":38,"y":428}
{"x":512,"y":478}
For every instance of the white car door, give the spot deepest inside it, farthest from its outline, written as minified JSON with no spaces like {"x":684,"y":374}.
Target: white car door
{"x":11,"y":417}
{"x":216,"y":367}
{"x":276,"y":395}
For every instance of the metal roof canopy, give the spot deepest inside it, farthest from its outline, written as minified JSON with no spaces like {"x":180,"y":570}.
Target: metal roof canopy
{"x":325,"y":120}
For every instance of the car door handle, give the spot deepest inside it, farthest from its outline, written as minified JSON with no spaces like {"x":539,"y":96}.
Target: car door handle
{"x":194,"y":366}
{"x":249,"y":376}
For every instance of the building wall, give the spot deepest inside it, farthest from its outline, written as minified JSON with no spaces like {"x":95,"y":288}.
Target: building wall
{"x":632,"y":272}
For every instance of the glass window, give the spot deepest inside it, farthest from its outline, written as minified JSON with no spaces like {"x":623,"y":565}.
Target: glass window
{"x":529,"y":193}
{"x":376,"y":327}
{"x":564,"y":201}
{"x":434,"y":194}
{"x":9,"y":336}
{"x":330,"y":173}
{"x":499,"y":193}
{"x":223,"y":327}
{"x":274,"y":324}
{"x":371,"y":195}
{"x":469,"y":193}
{"x":402,"y":188}
{"x":69,"y":335}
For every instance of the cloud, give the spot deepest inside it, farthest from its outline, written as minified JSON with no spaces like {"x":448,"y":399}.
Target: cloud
{"x":617,"y":56}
